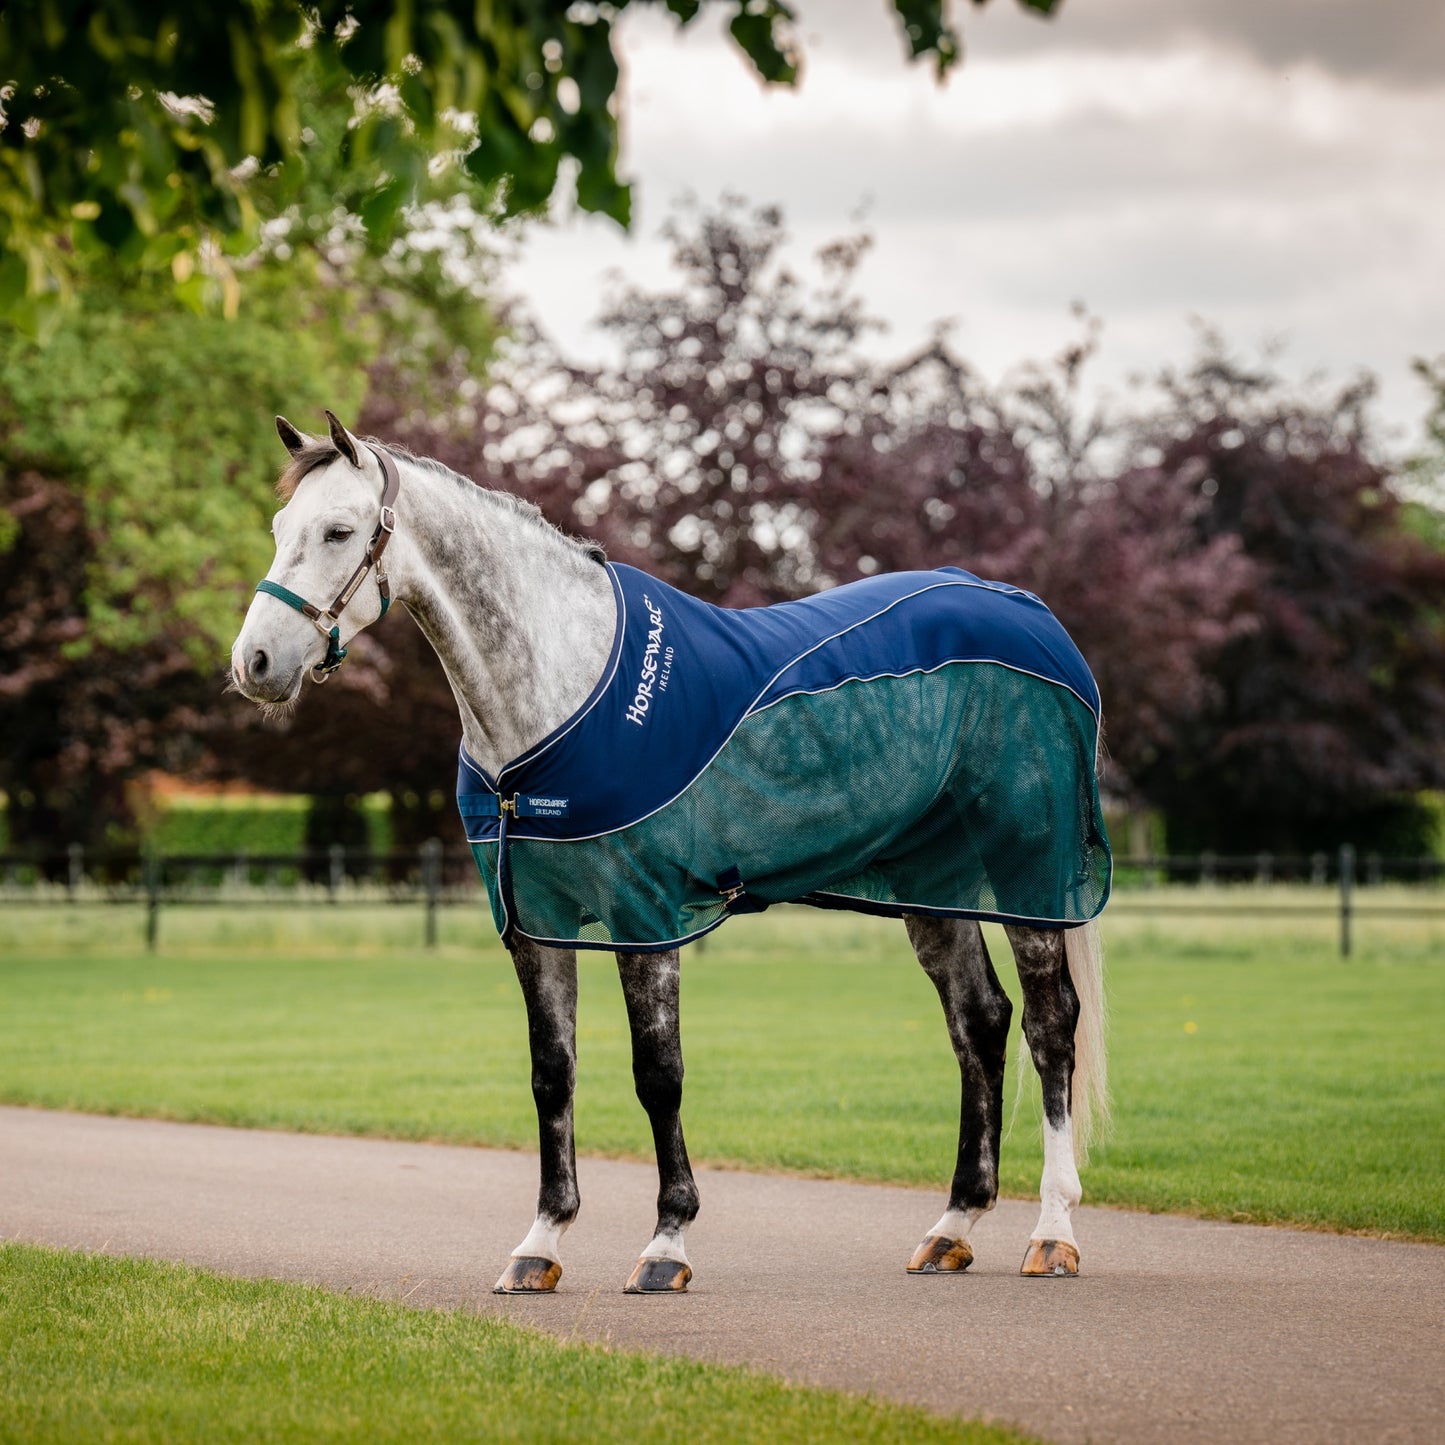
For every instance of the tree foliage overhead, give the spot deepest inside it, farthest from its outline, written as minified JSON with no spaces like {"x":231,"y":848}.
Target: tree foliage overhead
{"x":143,"y":127}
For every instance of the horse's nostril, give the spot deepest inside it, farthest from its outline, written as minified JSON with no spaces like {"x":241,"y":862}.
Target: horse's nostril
{"x":259,"y":663}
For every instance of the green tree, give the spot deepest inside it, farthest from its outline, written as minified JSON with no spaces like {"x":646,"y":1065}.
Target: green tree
{"x":133,"y":504}
{"x":136,"y":461}
{"x":143,"y":128}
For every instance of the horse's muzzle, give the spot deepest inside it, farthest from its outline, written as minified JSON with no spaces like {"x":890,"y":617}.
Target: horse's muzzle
{"x":261,"y":678}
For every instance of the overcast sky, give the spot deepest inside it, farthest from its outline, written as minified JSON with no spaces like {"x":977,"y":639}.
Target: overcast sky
{"x":1276,"y":167}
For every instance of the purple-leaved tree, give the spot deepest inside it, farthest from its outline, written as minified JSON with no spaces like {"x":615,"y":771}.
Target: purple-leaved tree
{"x":1265,"y":631}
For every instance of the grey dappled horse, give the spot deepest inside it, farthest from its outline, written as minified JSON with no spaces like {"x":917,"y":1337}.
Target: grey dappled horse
{"x":523,"y":619}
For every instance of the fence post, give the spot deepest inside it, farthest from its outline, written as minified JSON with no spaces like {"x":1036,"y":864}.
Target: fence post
{"x":75,"y":869}
{"x":153,"y":899}
{"x":1347,"y":886}
{"x":337,"y":870}
{"x":431,"y":877}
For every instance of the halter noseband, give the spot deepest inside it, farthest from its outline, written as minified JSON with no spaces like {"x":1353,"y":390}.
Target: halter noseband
{"x":327,"y":623}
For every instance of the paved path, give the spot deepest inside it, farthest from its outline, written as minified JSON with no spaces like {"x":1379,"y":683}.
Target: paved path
{"x":1178,"y":1330}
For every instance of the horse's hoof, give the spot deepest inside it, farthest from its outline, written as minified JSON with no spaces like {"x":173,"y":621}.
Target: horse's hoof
{"x":526,"y":1275}
{"x":937,"y":1255}
{"x":1049,"y":1257}
{"x":658,"y":1276}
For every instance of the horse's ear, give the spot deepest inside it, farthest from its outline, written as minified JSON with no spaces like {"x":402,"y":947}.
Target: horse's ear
{"x":344,"y":441}
{"x":291,"y":439}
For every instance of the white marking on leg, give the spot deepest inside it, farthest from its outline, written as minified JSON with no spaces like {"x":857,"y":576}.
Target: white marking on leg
{"x":666,"y":1246}
{"x":543,"y":1241}
{"x":956,"y":1223}
{"x":1059,"y":1190}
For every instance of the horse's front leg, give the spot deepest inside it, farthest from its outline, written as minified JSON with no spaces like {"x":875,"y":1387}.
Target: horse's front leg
{"x":1051,"y":1015}
{"x":549,"y":984}
{"x":650,"y":984}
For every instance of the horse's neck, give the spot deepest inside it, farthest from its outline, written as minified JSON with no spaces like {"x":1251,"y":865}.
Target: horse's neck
{"x":522,"y":620}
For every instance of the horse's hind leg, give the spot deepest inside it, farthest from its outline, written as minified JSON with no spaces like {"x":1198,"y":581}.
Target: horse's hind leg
{"x":1051,"y":1015}
{"x":954,"y":956}
{"x":549,"y":984}
{"x":650,"y":984}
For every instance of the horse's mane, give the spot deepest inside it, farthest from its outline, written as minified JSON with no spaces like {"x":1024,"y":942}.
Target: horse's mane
{"x":320,"y":451}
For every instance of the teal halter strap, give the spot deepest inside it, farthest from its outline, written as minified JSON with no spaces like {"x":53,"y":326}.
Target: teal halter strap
{"x":328,"y":622}
{"x":286,"y":595}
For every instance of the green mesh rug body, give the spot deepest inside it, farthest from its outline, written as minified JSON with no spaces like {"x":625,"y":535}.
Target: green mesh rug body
{"x":964,"y":786}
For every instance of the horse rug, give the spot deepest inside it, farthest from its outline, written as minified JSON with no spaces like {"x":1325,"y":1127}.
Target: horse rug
{"x":917,"y":742}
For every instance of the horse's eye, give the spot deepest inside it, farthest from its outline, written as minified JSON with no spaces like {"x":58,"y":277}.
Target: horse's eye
{"x":337,"y":534}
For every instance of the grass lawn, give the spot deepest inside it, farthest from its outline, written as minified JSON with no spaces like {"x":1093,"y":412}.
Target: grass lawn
{"x":1256,"y":1076}
{"x":101,"y":1349}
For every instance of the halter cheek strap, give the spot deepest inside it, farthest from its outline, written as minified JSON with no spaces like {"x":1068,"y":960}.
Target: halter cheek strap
{"x":327,"y":622}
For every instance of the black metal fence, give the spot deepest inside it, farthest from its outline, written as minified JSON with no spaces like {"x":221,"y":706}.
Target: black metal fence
{"x":432,"y":876}
{"x":1339,"y":885}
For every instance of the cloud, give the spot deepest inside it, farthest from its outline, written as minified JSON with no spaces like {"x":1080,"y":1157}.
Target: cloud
{"x":1154,"y":177}
{"x":1390,"y":41}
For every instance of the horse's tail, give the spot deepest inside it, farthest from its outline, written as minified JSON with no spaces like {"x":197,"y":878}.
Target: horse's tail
{"x":1084,"y":952}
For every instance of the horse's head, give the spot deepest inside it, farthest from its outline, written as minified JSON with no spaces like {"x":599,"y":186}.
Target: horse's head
{"x":326,"y":582}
